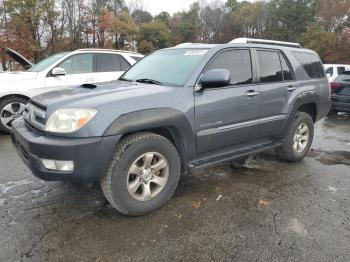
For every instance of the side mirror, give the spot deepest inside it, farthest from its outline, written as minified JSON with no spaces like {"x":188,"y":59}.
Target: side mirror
{"x":216,"y":78}
{"x":58,"y":71}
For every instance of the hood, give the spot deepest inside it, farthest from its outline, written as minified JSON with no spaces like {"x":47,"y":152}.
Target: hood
{"x":8,"y":77}
{"x":17,"y":57}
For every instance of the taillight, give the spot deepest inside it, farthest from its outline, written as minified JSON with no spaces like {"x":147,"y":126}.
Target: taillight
{"x":336,"y":85}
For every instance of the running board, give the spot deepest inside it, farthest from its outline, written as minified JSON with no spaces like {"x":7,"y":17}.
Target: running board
{"x":227,"y":156}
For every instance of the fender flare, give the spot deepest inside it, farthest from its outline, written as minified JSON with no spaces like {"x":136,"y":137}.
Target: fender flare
{"x":307,"y":97}
{"x":176,"y":121}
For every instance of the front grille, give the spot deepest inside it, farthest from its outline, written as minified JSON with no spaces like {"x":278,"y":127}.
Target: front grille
{"x":35,"y":115}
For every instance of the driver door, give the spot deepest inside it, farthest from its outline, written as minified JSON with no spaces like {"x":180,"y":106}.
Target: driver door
{"x":228,"y":116}
{"x":79,"y":70}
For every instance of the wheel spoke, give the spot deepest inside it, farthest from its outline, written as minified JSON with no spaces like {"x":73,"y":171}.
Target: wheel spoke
{"x":21,"y":108}
{"x":148,"y":160}
{"x":159,"y":165}
{"x":146,"y":191}
{"x":136,"y":170}
{"x":6,"y":120}
{"x":303,"y":129}
{"x":9,"y":109}
{"x":160,"y":181}
{"x":305,"y":138}
{"x":134,"y":186}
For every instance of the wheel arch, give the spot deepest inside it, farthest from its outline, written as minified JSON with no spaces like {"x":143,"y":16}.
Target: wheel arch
{"x":14,"y":95}
{"x":167,"y":122}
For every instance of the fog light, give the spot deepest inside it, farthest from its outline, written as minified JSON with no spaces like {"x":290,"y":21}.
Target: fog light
{"x":58,"y":165}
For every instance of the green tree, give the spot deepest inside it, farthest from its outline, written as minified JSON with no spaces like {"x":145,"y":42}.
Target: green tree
{"x":141,"y":17}
{"x":156,"y":33}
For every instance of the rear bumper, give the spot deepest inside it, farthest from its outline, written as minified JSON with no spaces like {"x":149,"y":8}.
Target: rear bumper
{"x":341,"y":102}
{"x":91,"y":156}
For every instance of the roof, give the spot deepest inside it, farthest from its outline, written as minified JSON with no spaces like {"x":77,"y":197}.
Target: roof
{"x":106,"y":50}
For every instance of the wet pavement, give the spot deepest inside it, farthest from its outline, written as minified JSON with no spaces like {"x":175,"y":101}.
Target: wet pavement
{"x":266,"y":211}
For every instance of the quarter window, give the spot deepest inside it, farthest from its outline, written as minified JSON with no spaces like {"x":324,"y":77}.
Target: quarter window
{"x":110,"y":63}
{"x":311,"y":63}
{"x":238,"y":62}
{"x":270,"y":70}
{"x":78,"y":64}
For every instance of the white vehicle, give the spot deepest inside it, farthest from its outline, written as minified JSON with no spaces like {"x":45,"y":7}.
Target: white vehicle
{"x":334,"y":70}
{"x":84,"y":66}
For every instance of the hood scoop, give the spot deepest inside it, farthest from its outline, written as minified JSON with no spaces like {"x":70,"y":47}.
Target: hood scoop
{"x":89,"y":86}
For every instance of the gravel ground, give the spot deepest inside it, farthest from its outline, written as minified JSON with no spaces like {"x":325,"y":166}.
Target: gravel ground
{"x":266,"y":211}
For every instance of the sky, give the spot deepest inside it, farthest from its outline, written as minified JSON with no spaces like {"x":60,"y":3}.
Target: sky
{"x":171,"y":6}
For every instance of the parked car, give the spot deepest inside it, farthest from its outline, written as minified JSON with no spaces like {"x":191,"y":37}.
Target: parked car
{"x":84,"y":66}
{"x":341,"y":92}
{"x":334,"y":70}
{"x":18,"y":60}
{"x":176,"y":110}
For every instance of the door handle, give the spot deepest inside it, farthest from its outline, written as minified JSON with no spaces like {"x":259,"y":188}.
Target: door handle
{"x":252,"y":93}
{"x":291,"y":88}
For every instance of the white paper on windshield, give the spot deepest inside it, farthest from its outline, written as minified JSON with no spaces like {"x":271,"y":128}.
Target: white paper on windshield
{"x":196,"y":52}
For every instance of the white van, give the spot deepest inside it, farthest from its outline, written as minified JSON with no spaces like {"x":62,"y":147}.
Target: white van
{"x":334,"y":70}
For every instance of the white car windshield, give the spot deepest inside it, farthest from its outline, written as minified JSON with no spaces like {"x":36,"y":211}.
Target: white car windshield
{"x":41,"y":66}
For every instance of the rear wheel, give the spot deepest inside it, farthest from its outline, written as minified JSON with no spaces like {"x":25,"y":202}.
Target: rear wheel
{"x":298,"y":140}
{"x":143,"y":174}
{"x":10,"y":109}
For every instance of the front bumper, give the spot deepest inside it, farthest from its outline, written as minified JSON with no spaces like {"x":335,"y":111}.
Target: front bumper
{"x":91,"y":156}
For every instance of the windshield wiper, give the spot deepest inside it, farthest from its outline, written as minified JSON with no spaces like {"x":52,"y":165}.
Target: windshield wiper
{"x":125,"y":79}
{"x":149,"y":81}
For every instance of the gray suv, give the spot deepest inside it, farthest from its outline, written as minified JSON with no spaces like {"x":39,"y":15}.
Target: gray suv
{"x":176,"y":110}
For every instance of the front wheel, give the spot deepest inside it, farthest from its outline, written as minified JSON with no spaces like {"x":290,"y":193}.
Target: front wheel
{"x":143,"y":174}
{"x":10,"y":109}
{"x":298,"y":139}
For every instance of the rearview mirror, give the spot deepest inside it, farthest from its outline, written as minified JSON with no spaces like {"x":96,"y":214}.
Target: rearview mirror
{"x":216,"y":78}
{"x":58,"y":71}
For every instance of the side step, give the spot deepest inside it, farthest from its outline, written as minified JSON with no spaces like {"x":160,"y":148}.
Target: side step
{"x":230,"y":155}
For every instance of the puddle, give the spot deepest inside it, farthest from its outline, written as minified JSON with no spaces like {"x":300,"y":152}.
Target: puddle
{"x":330,"y":158}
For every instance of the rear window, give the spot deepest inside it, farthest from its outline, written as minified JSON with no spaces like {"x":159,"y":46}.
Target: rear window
{"x":311,"y":64}
{"x":345,"y":76}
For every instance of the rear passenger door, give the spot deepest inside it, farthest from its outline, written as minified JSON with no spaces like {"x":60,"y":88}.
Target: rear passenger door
{"x":228,"y":116}
{"x":110,"y":66}
{"x":277,"y":83}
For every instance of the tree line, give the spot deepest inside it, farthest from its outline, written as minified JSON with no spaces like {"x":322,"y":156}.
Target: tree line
{"x":38,"y":28}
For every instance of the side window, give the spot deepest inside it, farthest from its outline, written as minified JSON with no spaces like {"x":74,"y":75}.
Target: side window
{"x":287,"y":73}
{"x":238,"y":62}
{"x":108,"y":63}
{"x":269,"y":66}
{"x":329,"y":71}
{"x":78,"y":64}
{"x":124,"y":64}
{"x":311,"y":64}
{"x":340,"y":69}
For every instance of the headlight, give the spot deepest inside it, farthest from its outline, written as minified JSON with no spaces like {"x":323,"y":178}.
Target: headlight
{"x":69,"y":120}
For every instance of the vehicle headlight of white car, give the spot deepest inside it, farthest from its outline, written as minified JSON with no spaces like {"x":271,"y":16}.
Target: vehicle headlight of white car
{"x":69,"y":120}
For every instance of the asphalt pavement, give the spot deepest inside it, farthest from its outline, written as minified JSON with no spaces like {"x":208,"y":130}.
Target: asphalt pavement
{"x":265,"y":211}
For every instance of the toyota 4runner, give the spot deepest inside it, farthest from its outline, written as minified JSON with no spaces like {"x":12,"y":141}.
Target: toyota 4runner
{"x":178,"y":109}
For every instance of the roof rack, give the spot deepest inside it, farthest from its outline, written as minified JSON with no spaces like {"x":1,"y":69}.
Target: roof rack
{"x":264,"y":42}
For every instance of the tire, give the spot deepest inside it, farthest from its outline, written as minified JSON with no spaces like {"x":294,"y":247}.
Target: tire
{"x":288,"y":152}
{"x":10,"y":109}
{"x":132,"y":152}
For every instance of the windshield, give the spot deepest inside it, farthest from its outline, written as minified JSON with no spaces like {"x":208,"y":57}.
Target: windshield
{"x":46,"y":63}
{"x":168,"y":67}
